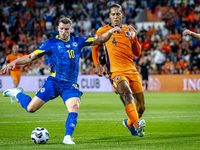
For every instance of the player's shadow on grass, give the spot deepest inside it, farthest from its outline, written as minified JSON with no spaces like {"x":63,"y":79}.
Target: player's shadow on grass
{"x":148,"y":137}
{"x":117,"y":139}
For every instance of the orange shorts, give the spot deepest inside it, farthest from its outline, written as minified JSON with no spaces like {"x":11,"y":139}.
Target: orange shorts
{"x":133,"y":80}
{"x":16,"y":75}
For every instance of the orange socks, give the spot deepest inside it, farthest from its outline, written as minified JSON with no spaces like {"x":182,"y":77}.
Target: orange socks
{"x":129,"y":122}
{"x":132,"y":114}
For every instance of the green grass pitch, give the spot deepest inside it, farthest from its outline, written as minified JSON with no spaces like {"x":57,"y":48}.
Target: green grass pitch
{"x":172,"y":123}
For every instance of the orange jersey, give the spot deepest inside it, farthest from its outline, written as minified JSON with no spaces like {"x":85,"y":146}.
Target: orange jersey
{"x":12,"y":57}
{"x":119,"y":50}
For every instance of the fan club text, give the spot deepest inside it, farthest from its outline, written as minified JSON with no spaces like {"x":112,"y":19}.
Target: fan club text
{"x":90,"y":83}
{"x":85,"y":83}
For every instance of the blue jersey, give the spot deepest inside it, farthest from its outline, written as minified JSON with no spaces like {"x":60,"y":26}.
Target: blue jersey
{"x":64,"y":56}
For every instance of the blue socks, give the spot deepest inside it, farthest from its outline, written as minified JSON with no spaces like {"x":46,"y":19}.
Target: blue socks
{"x":23,"y":99}
{"x":71,"y":123}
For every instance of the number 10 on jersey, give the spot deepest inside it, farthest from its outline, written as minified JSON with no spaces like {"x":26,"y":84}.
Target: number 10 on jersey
{"x":71,"y":53}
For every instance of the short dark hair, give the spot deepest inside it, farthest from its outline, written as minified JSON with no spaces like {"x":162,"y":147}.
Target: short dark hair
{"x":65,"y":20}
{"x":115,"y":5}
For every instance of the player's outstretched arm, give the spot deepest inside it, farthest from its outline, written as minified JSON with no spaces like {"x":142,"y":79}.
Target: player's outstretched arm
{"x":106,"y":36}
{"x":136,"y":45}
{"x":192,"y":34}
{"x":95,"y":56}
{"x":21,"y":61}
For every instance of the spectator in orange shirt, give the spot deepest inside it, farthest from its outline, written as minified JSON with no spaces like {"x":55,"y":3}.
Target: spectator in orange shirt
{"x":166,"y":46}
{"x":142,"y":43}
{"x":151,"y":31}
{"x":178,"y":67}
{"x":160,"y":43}
{"x":190,"y":17}
{"x":183,"y":64}
{"x":8,"y":40}
{"x":170,"y":35}
{"x":169,"y":66}
{"x":177,"y":35}
{"x":146,"y":45}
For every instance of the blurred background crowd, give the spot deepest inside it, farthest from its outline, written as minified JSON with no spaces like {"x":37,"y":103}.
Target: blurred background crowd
{"x":165,"y":50}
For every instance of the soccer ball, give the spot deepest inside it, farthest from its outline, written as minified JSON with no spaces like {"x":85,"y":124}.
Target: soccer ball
{"x":40,"y":135}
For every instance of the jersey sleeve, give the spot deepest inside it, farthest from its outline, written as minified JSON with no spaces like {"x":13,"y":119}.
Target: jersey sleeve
{"x":44,"y":49}
{"x":95,"y":54}
{"x":95,"y":49}
{"x":86,"y":41}
{"x":136,"y":47}
{"x":99,"y":32}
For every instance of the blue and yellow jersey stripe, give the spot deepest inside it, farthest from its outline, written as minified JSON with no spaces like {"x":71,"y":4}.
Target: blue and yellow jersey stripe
{"x":89,"y":41}
{"x":38,"y":52}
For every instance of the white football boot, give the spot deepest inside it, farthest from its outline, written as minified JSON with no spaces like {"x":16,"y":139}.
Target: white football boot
{"x":67,"y":140}
{"x":12,"y":92}
{"x":141,"y":127}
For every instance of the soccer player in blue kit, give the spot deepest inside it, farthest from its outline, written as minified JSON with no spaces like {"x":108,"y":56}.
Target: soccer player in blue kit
{"x":63,"y":51}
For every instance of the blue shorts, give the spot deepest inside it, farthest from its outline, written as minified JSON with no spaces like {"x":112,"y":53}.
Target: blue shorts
{"x":53,"y":88}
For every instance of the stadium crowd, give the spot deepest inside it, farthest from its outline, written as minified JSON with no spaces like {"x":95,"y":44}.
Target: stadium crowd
{"x":29,"y":23}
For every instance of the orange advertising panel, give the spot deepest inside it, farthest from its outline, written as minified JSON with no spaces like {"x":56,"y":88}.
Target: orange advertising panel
{"x":174,"y":83}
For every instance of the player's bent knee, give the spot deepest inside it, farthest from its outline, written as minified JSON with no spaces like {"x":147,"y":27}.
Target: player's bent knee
{"x":74,"y":108}
{"x":31,"y":109}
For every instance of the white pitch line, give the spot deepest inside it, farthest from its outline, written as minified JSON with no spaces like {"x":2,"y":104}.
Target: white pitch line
{"x":162,"y":117}
{"x":102,"y":113}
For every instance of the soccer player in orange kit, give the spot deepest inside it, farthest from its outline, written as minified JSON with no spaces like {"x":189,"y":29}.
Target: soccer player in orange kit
{"x":16,"y":72}
{"x":119,"y":50}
